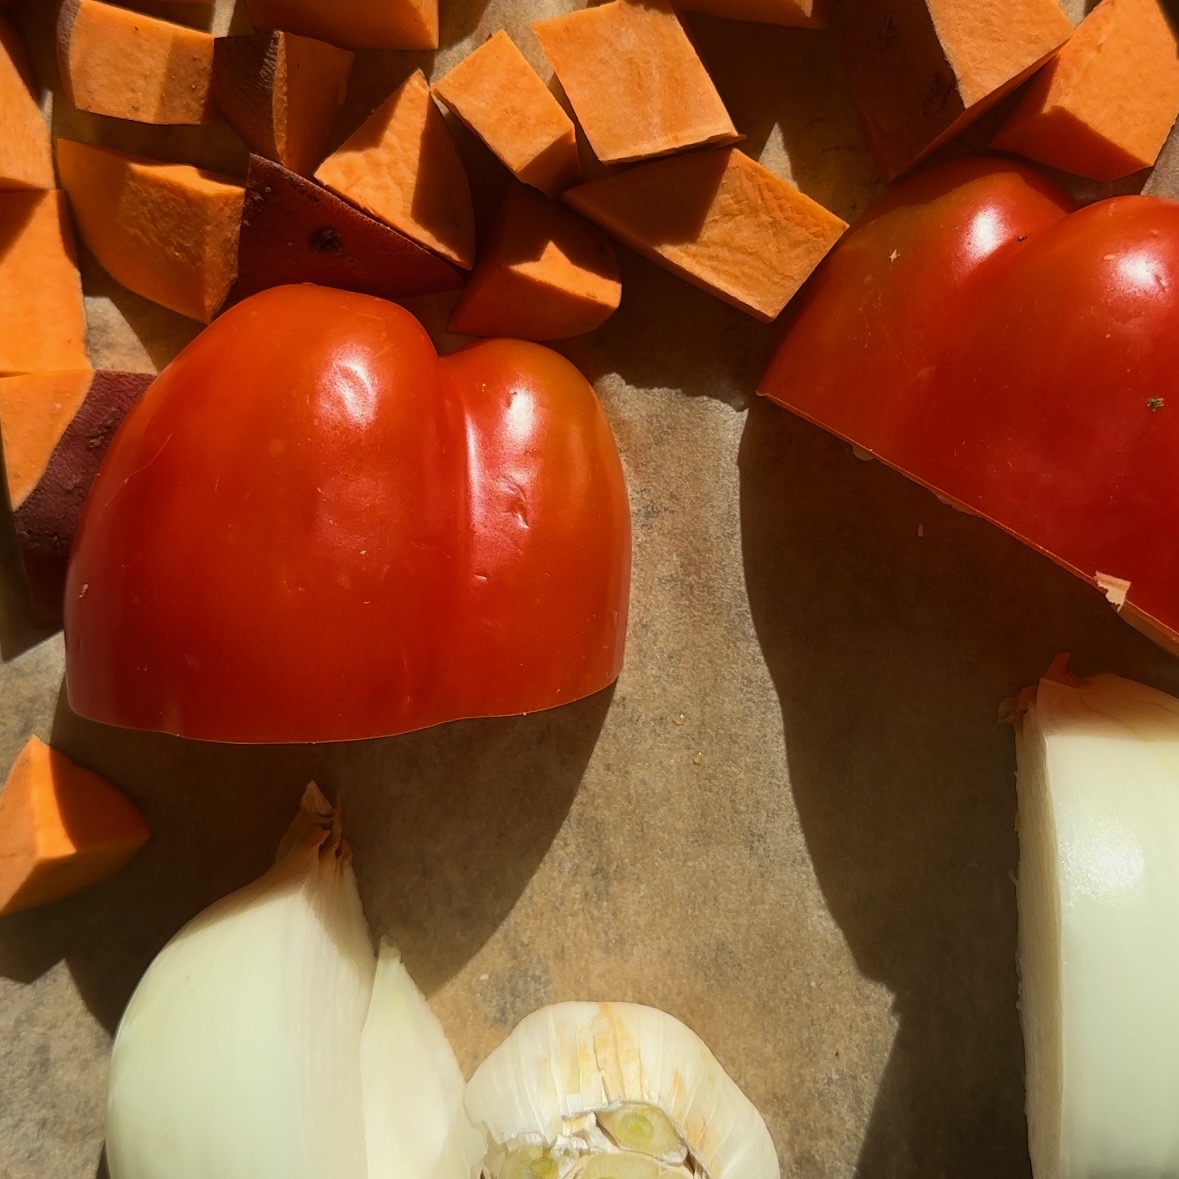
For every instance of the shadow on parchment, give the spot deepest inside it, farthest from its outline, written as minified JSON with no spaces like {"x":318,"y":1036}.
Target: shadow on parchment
{"x":890,"y":652}
{"x":447,"y":825}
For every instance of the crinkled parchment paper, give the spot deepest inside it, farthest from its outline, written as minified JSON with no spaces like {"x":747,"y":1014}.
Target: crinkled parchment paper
{"x":790,"y":823}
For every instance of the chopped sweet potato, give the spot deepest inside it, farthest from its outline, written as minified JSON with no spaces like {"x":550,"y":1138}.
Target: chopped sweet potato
{"x":1103,"y":107}
{"x":922,"y":70}
{"x":352,"y":24}
{"x":545,"y":274}
{"x":62,"y":829}
{"x":807,"y":14}
{"x":55,"y":429}
{"x":294,"y":230}
{"x":501,"y":98}
{"x":165,"y":231}
{"x":42,"y":318}
{"x":280,"y":93}
{"x":401,"y":166}
{"x":718,"y":219}
{"x":116,"y":62}
{"x":26,"y":157}
{"x":636,"y":83}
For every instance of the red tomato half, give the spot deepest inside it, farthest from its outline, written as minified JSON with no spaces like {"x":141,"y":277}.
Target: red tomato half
{"x":1018,"y":358}
{"x":311,"y":528}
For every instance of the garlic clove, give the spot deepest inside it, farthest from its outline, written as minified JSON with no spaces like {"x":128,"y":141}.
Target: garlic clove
{"x":413,"y":1087}
{"x":645,"y":1129}
{"x":238,"y":1052}
{"x":620,"y":1165}
{"x":526,"y":1162}
{"x":572,"y":1059}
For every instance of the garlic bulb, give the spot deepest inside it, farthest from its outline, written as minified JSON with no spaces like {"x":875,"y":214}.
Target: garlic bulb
{"x":1098,"y":790}
{"x":613,"y":1091}
{"x":257,"y":1045}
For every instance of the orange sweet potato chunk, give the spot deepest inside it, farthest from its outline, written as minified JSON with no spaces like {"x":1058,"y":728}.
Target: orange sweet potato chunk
{"x":545,"y":274}
{"x":806,"y":14}
{"x":401,"y":166}
{"x":168,"y":232}
{"x":26,"y":157}
{"x":352,"y":24}
{"x":42,"y":318}
{"x":35,"y":409}
{"x":501,"y":98}
{"x":116,"y":62}
{"x":62,"y":829}
{"x":922,"y":70}
{"x":1104,"y":106}
{"x":636,"y":83}
{"x":280,"y":93}
{"x":718,"y":219}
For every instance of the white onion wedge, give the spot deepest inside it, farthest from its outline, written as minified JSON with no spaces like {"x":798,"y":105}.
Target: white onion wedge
{"x":1098,"y":790}
{"x":257,"y":1046}
{"x":413,"y":1087}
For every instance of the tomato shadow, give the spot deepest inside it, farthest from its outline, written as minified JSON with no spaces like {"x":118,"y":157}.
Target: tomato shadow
{"x":892,"y":628}
{"x":447,"y":826}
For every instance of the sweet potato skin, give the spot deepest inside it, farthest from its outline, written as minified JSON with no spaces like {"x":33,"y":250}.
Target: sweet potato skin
{"x":47,"y":514}
{"x":294,"y":230}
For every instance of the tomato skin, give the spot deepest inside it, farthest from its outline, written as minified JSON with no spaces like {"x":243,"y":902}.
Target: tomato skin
{"x":311,"y":528}
{"x":1043,"y":396}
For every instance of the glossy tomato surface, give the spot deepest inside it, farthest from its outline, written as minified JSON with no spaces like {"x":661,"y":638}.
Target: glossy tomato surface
{"x":1018,"y":356}
{"x":311,"y":528}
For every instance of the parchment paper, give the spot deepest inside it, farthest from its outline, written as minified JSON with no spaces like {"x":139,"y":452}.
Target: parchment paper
{"x":791,"y":822}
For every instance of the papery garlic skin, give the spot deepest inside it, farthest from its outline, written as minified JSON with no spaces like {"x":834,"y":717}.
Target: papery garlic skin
{"x":1098,"y":791}
{"x":238,"y":1055}
{"x":545,"y":1085}
{"x":413,"y":1087}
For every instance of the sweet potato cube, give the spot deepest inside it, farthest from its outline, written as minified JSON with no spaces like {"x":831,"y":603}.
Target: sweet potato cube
{"x":352,"y":24}
{"x":55,"y":429}
{"x":62,"y":829}
{"x":922,"y":70}
{"x":1103,"y":107}
{"x":401,"y":166}
{"x":501,"y":98}
{"x":806,"y":14}
{"x":294,"y":230}
{"x":26,"y":157}
{"x":280,"y":93}
{"x":636,"y":83}
{"x":42,"y":318}
{"x":718,"y":219}
{"x":167,"y":232}
{"x":116,"y":62}
{"x":545,"y":274}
